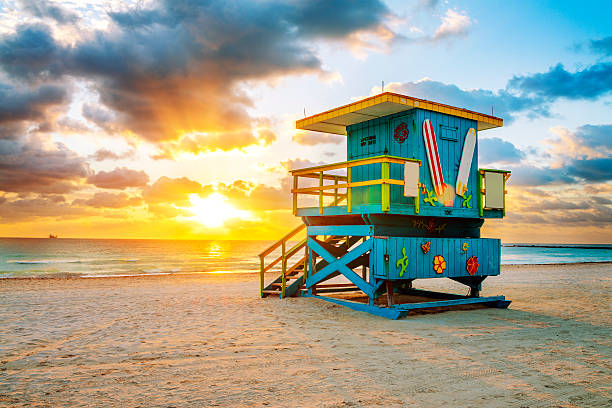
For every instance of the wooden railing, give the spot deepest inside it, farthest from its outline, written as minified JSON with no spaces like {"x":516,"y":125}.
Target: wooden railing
{"x":287,"y":254}
{"x":322,"y":190}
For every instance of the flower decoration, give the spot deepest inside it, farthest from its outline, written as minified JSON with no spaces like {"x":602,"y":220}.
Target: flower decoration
{"x":401,"y":132}
{"x":439,"y":264}
{"x":472,"y":265}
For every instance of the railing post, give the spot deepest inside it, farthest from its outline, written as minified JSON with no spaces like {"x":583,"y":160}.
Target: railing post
{"x":349,"y":190}
{"x":305,"y":265}
{"x":284,"y":269}
{"x":321,"y":193}
{"x":480,"y":204}
{"x":261,"y":275}
{"x":295,"y":197}
{"x":335,"y":190}
{"x":417,"y":199}
{"x":386,"y":204}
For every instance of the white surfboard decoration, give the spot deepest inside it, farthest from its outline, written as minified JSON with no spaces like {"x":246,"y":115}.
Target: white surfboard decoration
{"x":465,"y":165}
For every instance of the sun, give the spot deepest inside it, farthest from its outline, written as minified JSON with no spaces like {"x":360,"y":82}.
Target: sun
{"x":214,"y":210}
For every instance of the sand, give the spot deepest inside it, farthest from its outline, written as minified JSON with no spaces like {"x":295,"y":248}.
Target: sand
{"x":208,"y":340}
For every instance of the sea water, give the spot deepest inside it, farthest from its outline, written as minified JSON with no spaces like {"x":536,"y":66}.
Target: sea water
{"x":31,"y":257}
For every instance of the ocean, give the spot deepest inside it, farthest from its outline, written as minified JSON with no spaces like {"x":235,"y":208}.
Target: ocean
{"x":64,"y":257}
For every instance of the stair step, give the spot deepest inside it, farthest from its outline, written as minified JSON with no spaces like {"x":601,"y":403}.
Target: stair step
{"x":270,"y":292}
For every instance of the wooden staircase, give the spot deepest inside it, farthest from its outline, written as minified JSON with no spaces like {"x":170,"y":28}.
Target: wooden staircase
{"x":294,"y":265}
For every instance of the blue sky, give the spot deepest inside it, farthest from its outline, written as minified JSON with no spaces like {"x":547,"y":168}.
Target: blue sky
{"x":117,"y":111}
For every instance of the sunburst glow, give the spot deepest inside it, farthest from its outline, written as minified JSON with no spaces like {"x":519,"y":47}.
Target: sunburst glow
{"x":214,"y":210}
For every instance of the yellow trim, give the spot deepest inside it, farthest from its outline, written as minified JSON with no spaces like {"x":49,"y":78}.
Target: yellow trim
{"x":311,"y":122}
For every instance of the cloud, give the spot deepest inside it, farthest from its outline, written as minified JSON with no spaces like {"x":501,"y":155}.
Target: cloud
{"x":120,"y":178}
{"x":589,"y":83}
{"x":496,"y":150}
{"x":32,"y":53}
{"x":35,"y":166}
{"x":179,"y":67}
{"x":503,"y":103}
{"x":531,"y":95}
{"x":24,"y":105}
{"x":587,"y":142}
{"x":602,"y":46}
{"x":173,"y":190}
{"x":258,"y":197}
{"x":23,"y":209}
{"x":594,"y":170}
{"x":105,"y":154}
{"x":44,"y":9}
{"x":453,"y":24}
{"x":315,"y":138}
{"x":582,"y":156}
{"x":215,"y":141}
{"x":109,"y":200}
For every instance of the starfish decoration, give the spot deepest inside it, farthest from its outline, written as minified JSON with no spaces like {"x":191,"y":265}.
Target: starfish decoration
{"x":466,"y":201}
{"x":430,"y":197}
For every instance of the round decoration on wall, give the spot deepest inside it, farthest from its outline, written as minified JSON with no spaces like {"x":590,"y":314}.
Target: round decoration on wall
{"x":401,"y":132}
{"x":472,"y":265}
{"x":439,"y":264}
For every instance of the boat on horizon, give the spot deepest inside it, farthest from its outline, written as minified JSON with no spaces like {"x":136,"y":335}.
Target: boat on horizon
{"x":52,"y":236}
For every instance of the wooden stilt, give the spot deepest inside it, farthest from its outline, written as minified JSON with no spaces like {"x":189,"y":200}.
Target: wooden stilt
{"x":390,"y":295}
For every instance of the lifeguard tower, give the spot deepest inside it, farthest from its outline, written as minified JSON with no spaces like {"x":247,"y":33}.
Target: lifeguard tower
{"x":407,"y":204}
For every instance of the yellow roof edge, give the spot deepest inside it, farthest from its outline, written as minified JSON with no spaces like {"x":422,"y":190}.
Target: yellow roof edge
{"x":393,"y":97}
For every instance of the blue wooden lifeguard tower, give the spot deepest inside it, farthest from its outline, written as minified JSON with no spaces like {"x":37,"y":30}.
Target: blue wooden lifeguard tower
{"x":407,"y":204}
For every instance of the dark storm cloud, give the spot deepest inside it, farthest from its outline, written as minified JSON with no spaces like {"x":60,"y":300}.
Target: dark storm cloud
{"x":594,"y":136}
{"x":119,"y":179}
{"x":526,"y":175}
{"x":178,"y":67}
{"x":335,"y":19}
{"x":589,"y":83}
{"x":31,"y":166}
{"x":44,"y":9}
{"x":602,"y":46}
{"x":20,"y":105}
{"x":32,"y":53}
{"x":593,"y":170}
{"x":496,"y":150}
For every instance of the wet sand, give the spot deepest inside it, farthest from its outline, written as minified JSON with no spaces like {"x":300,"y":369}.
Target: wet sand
{"x":208,"y":340}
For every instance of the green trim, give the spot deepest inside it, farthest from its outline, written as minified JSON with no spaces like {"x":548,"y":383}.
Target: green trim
{"x":384,"y":188}
{"x":495,"y":170}
{"x":480,"y":208}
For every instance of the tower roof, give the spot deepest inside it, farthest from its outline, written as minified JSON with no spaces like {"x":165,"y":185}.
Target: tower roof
{"x":336,"y":120}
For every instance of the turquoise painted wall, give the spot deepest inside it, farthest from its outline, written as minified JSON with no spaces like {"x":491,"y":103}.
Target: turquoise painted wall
{"x":376,"y":137}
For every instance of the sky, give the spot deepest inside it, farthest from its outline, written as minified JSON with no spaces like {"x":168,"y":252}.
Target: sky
{"x":175,"y":119}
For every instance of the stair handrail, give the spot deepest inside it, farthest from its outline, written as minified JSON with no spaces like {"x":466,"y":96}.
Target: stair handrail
{"x":284,"y":253}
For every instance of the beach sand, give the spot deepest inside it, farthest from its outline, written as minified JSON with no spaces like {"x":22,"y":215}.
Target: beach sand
{"x":208,"y":340}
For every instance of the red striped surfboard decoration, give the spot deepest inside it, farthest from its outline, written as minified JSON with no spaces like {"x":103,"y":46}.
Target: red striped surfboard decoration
{"x":435,"y":169}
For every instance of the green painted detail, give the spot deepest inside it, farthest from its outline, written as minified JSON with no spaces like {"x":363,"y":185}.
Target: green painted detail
{"x":403,"y":262}
{"x":467,"y":201}
{"x":430,"y":197}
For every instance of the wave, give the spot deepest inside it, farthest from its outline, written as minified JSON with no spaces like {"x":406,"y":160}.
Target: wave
{"x":43,"y":261}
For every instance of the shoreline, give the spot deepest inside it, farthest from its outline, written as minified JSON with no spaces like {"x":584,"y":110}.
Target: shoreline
{"x":68,"y":276}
